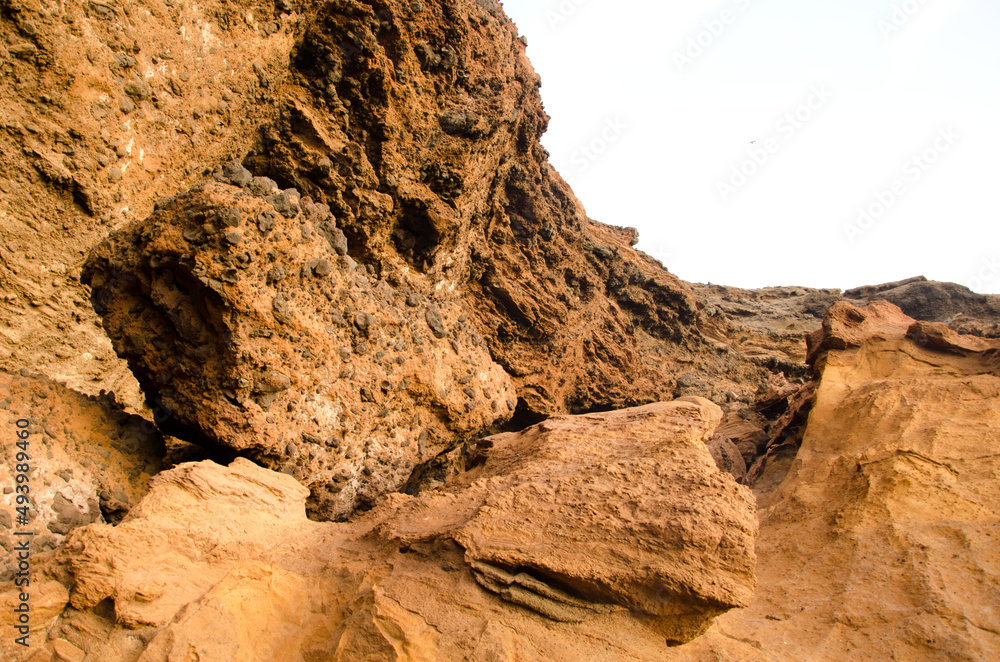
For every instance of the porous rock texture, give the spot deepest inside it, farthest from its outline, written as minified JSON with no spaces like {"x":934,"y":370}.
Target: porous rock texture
{"x":108,"y":106}
{"x":418,"y":123}
{"x":85,"y":459}
{"x":890,"y":510}
{"x":603,"y":536}
{"x":409,"y":195}
{"x":243,"y":316}
{"x":406,"y":141}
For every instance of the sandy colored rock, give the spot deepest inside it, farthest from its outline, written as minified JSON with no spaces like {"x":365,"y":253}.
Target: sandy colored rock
{"x":88,"y":461}
{"x":880,"y":543}
{"x":846,"y":326}
{"x":66,"y":651}
{"x":578,"y":537}
{"x":935,"y":335}
{"x":680,"y":545}
{"x":46,"y":599}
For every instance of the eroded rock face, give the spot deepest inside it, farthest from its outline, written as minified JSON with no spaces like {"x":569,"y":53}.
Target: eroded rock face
{"x":107,"y":107}
{"x":846,"y":326}
{"x":419,"y":125}
{"x":244,"y":319}
{"x":87,"y":462}
{"x":593,"y":537}
{"x":890,"y":509}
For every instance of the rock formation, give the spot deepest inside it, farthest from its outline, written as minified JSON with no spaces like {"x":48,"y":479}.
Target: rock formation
{"x":246,"y":321}
{"x":88,"y":461}
{"x":107,"y":107}
{"x":582,"y":537}
{"x":419,"y":125}
{"x":383,"y":320}
{"x":891,"y":505}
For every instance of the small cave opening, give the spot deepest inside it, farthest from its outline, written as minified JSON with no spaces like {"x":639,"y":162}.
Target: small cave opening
{"x":524,"y":417}
{"x":415,"y":237}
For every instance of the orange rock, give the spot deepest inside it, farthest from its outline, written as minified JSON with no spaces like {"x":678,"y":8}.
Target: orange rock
{"x":87,"y":459}
{"x":611,"y":531}
{"x":846,"y":326}
{"x":276,"y":346}
{"x":880,"y":541}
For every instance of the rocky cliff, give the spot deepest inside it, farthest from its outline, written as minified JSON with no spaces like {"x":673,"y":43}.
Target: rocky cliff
{"x":317,"y":249}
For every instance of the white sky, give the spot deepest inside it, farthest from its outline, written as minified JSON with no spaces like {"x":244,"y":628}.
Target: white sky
{"x":673,"y":131}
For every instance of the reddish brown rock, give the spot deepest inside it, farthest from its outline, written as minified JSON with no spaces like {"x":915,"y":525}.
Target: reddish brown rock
{"x":783,"y":439}
{"x":748,"y":438}
{"x":122,"y":102}
{"x":419,"y":126}
{"x":728,"y":458}
{"x":935,"y":335}
{"x":251,"y":329}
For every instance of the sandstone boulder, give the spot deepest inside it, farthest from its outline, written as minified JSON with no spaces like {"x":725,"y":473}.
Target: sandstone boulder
{"x":605,"y":536}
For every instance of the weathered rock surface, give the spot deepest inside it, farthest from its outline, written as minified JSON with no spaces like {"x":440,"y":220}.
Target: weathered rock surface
{"x":419,"y":125}
{"x":250,"y":328}
{"x":594,"y":537}
{"x":767,"y":325}
{"x":109,"y":106}
{"x":87,"y":462}
{"x":413,"y":134}
{"x":890,"y":510}
{"x":932,"y":301}
{"x":846,"y":326}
